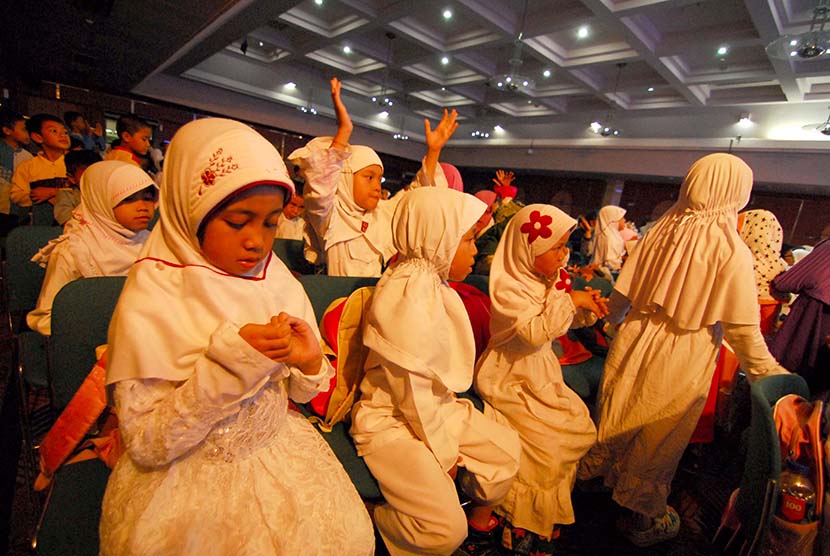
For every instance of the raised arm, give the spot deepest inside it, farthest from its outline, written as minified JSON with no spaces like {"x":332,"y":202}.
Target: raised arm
{"x":437,"y":138}
{"x":344,"y":122}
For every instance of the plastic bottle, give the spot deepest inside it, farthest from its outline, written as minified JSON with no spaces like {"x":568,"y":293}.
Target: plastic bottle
{"x":797,"y":498}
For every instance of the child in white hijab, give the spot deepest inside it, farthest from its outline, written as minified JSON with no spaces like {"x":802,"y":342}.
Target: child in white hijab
{"x":343,"y":193}
{"x":210,"y":338}
{"x":520,"y":379}
{"x":687,"y":284}
{"x":609,"y":245}
{"x":412,"y":430}
{"x":117,"y":203}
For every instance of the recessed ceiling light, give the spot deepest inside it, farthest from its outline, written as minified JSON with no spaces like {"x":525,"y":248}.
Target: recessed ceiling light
{"x":290,"y":85}
{"x":318,"y":2}
{"x":261,"y":43}
{"x":447,"y":14}
{"x":651,"y":89}
{"x":745,"y":120}
{"x":546,"y":73}
{"x":498,"y":128}
{"x":445,"y":60}
{"x":722,"y":51}
{"x":384,"y":114}
{"x":347,"y":49}
{"x":793,"y":54}
{"x":582,"y":32}
{"x":793,"y":42}
{"x":443,"y":88}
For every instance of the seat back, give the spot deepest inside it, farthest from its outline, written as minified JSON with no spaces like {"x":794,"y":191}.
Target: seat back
{"x":290,"y":251}
{"x":759,"y":483}
{"x":322,"y":290}
{"x":80,"y":319}
{"x":24,"y":278}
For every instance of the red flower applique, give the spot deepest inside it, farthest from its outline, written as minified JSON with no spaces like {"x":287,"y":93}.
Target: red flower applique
{"x":537,"y":226}
{"x":565,"y":283}
{"x":218,"y":166}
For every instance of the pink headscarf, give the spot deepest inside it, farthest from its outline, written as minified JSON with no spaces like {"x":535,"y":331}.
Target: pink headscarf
{"x":453,"y":177}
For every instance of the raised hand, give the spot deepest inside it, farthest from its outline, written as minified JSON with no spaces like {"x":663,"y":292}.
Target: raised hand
{"x":344,"y":121}
{"x":504,"y":178}
{"x":438,"y":137}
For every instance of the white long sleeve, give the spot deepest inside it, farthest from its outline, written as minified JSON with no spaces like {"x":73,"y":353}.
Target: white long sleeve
{"x":554,"y":320}
{"x":749,"y":346}
{"x":60,"y":271}
{"x":162,"y":420}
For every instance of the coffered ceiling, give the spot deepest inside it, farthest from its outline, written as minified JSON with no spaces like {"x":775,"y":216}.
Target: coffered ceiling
{"x":656,"y":70}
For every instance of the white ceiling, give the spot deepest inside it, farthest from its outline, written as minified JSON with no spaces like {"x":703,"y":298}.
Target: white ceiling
{"x":674,"y":85}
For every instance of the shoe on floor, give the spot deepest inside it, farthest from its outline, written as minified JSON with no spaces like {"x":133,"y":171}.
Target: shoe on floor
{"x":479,"y":543}
{"x":664,"y":528}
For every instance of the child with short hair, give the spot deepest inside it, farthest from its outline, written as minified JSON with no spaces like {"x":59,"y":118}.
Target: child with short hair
{"x":117,"y":204}
{"x":92,"y":139}
{"x":13,"y":136}
{"x":211,"y":336}
{"x":134,"y":140}
{"x":343,"y":193}
{"x":70,"y":197}
{"x":38,"y":179}
{"x":291,"y":224}
{"x":520,"y":379}
{"x":412,"y":430}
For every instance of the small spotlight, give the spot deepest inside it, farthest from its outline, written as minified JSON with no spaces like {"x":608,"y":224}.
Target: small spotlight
{"x":384,"y":114}
{"x":582,"y":32}
{"x":524,"y":83}
{"x":793,"y":42}
{"x":546,"y":73}
{"x":745,"y":120}
{"x":447,"y":14}
{"x":318,"y":2}
{"x":261,"y":43}
{"x":443,"y":88}
{"x":508,"y":79}
{"x":498,"y":128}
{"x":650,"y":89}
{"x":347,"y":49}
{"x":793,"y":54}
{"x":596,"y":126}
{"x":290,"y":85}
{"x":722,"y":51}
{"x":374,"y":99}
{"x":445,"y":60}
{"x":499,"y":84}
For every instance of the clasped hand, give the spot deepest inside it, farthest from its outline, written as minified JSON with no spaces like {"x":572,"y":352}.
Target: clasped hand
{"x":285,"y":339}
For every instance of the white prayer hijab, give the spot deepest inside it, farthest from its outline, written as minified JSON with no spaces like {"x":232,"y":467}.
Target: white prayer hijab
{"x":416,"y":320}
{"x":763,"y":235}
{"x":98,"y":243}
{"x":517,"y":292}
{"x":174,"y":299}
{"x":609,"y":245}
{"x":692,"y":266}
{"x":349,"y":220}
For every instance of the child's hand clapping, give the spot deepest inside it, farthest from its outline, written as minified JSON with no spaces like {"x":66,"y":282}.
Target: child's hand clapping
{"x":590,"y":300}
{"x":286,"y":339}
{"x":344,"y":121}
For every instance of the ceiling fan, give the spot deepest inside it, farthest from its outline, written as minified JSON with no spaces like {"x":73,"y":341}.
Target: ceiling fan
{"x":823,"y":127}
{"x":810,"y":45}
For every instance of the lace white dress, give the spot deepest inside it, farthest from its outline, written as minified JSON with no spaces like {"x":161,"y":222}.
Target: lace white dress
{"x":194,"y":467}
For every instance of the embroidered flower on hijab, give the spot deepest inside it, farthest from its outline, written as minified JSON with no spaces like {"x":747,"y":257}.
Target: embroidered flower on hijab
{"x":218,"y":166}
{"x":538,"y":225}
{"x":565,"y":283}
